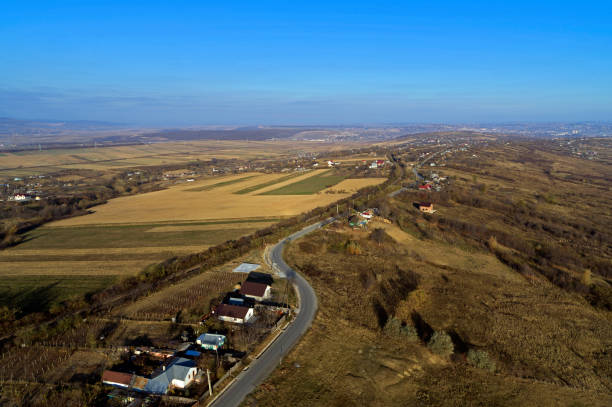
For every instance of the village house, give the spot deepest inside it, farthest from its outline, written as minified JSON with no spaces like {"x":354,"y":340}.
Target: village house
{"x":367,"y":214}
{"x":425,"y":187}
{"x":233,"y":313}
{"x":179,"y":373}
{"x":257,"y":291}
{"x":211,"y":341}
{"x":426,"y":207}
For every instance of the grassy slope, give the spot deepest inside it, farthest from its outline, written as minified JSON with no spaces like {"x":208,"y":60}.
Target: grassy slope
{"x":551,"y":347}
{"x":488,"y":309}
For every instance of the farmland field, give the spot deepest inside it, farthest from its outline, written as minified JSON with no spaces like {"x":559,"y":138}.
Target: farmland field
{"x":266,"y":184}
{"x":192,"y":296}
{"x":208,"y":187}
{"x":56,"y":263}
{"x":26,"y":163}
{"x":83,"y":254}
{"x":193,"y":202}
{"x":308,"y":186}
{"x":32,"y":293}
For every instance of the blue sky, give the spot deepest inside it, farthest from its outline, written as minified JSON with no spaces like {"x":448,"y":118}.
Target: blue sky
{"x":258,"y":62}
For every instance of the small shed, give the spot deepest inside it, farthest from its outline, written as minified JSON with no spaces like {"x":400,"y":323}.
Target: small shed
{"x":211,"y":341}
{"x":246,"y":268}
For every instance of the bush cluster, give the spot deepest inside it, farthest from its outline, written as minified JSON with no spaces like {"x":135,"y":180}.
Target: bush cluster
{"x":481,"y":359}
{"x":441,"y":344}
{"x":394,"y":327}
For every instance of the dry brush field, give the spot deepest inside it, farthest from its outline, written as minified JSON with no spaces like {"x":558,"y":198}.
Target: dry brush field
{"x":544,"y":341}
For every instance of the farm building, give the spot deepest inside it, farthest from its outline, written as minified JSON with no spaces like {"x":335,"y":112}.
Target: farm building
{"x":367,"y":214}
{"x":117,"y":379}
{"x":233,"y":313}
{"x":179,"y":373}
{"x":211,"y":341}
{"x":425,"y":187}
{"x":426,"y":207}
{"x":257,"y":291}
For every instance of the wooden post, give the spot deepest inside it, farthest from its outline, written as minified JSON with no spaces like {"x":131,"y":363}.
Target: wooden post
{"x":209,"y":385}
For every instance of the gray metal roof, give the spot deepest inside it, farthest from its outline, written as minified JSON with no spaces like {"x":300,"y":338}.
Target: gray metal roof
{"x":177,"y":369}
{"x":246,"y":268}
{"x":210,"y":339}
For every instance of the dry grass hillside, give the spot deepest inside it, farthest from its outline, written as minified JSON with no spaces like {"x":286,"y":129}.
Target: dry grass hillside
{"x":487,"y":302}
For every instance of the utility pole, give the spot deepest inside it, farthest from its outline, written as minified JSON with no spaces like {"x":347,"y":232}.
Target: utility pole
{"x":209,"y":385}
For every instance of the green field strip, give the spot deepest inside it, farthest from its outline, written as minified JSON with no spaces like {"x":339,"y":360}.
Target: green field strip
{"x":308,"y":186}
{"x":163,"y":254}
{"x":267,"y":184}
{"x":220,"y":184}
{"x":124,"y":236}
{"x":173,"y":223}
{"x":38,"y":293}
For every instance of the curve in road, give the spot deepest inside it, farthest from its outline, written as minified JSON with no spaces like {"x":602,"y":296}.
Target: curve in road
{"x":263,"y":366}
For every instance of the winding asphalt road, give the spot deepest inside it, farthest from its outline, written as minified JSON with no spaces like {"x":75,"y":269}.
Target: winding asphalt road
{"x":263,"y":366}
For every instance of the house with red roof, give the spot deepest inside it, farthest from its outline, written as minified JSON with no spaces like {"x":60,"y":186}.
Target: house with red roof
{"x":233,"y":313}
{"x":117,"y":379}
{"x":257,"y":291}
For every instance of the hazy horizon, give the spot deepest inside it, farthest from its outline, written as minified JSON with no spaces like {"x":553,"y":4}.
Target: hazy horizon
{"x":269,"y":63}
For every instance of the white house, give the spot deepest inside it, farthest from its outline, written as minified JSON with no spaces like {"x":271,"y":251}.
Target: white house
{"x":180,"y":373}
{"x":234,"y":313}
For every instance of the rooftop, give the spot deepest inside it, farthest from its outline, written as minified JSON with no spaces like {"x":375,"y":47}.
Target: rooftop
{"x":252,"y":288}
{"x":210,"y":339}
{"x":233,"y":311}
{"x":178,"y":369}
{"x":111,"y":376}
